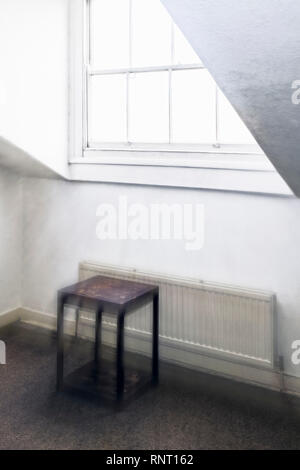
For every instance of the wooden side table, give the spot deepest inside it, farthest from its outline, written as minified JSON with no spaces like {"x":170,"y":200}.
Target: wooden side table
{"x":115,"y":297}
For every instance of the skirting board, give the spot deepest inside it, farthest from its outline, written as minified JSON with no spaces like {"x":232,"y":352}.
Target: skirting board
{"x":175,"y":352}
{"x":10,"y":316}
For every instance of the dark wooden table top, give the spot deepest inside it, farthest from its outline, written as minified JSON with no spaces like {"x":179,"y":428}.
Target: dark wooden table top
{"x":110,"y":290}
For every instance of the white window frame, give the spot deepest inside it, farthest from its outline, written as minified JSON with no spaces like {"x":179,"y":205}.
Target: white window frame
{"x":170,"y":68}
{"x":169,"y":148}
{"x":229,"y":167}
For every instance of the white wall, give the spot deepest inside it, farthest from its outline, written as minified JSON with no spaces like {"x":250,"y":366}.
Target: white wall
{"x":250,"y":240}
{"x":252,"y":48}
{"x":10,"y":241}
{"x":33,"y":78}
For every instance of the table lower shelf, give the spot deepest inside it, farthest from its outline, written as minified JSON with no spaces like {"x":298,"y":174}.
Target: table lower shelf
{"x":100,"y":380}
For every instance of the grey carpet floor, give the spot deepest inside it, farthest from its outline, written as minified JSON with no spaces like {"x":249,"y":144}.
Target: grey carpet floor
{"x":187,"y":411}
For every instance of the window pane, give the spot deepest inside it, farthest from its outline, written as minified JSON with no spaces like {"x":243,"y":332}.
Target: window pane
{"x":183,"y":51}
{"x":193,"y":107}
{"x":231,"y":127}
{"x":149,"y":107}
{"x":109,"y":33}
{"x":151,"y":33}
{"x":107,"y":108}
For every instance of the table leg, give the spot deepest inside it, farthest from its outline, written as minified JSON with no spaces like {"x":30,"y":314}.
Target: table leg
{"x":60,"y":343}
{"x":77,"y":314}
{"x":155,"y":329}
{"x":98,"y":334}
{"x":120,"y":356}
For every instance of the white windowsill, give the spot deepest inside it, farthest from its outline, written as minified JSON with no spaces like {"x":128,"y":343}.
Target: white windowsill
{"x":250,"y":173}
{"x":177,"y":159}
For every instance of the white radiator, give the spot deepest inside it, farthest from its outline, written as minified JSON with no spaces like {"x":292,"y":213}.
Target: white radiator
{"x":225,"y":321}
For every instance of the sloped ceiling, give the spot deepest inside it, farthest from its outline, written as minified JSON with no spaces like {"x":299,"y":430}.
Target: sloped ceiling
{"x":252,"y":49}
{"x":15,"y":159}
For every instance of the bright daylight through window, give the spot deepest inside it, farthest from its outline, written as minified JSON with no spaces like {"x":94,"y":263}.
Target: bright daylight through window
{"x":145,"y":85}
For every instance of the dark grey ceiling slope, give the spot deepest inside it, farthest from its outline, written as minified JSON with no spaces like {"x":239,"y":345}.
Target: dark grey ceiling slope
{"x":252,"y":49}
